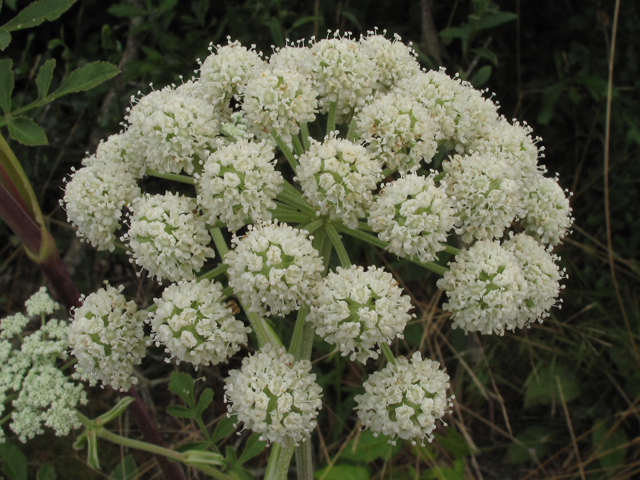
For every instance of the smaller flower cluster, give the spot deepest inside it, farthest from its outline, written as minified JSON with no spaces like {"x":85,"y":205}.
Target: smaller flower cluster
{"x":274,"y":395}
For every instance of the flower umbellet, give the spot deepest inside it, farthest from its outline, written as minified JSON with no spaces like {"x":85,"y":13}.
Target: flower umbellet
{"x":285,"y":155}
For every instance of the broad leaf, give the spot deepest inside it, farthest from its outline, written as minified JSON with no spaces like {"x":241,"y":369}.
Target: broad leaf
{"x":342,"y":472}
{"x":495,"y":19}
{"x":6,"y":84}
{"x":542,"y":389}
{"x":5,"y":39}
{"x":182,"y":385}
{"x":14,"y":462}
{"x":126,"y":10}
{"x":38,"y":12}
{"x":46,"y":472}
{"x":456,"y":32}
{"x":85,"y":78}
{"x":116,"y":411}
{"x":180,"y":411}
{"x":230,"y":456}
{"x":126,"y":470}
{"x":533,"y":443}
{"x":26,"y":131}
{"x":481,"y":76}
{"x":254,"y":447}
{"x":43,"y":80}
{"x":204,"y":401}
{"x":225,"y":427}
{"x":615,"y":444}
{"x":367,"y":448}
{"x":550,"y":97}
{"x":454,"y":443}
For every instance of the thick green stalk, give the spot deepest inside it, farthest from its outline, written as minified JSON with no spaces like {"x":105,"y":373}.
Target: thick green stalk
{"x":297,"y":146}
{"x":312,"y":226}
{"x":287,"y":153}
{"x":331,"y":117}
{"x":170,"y":176}
{"x":304,"y":132}
{"x":387,"y":353}
{"x":338,"y":245}
{"x":279,"y":460}
{"x":351,"y":133}
{"x":219,"y":270}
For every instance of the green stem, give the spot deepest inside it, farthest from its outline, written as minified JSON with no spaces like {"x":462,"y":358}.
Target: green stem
{"x":287,"y":152}
{"x":351,"y":133}
{"x":290,"y":217}
{"x":388,"y":171}
{"x":387,"y":353}
{"x":219,"y":241}
{"x":373,"y":240}
{"x":297,"y":146}
{"x":279,"y":460}
{"x":226,"y":293}
{"x":331,"y":118}
{"x":304,"y":460}
{"x":211,"y":274}
{"x":304,"y":131}
{"x":296,"y":201}
{"x":170,"y":176}
{"x":338,"y":245}
{"x":451,"y":250}
{"x":313,"y":226}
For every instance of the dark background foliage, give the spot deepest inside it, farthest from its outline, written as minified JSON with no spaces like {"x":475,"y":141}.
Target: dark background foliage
{"x":556,"y":401}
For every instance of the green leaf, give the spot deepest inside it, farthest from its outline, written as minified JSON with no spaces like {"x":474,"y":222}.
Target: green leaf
{"x":85,"y":78}
{"x":116,"y":411}
{"x":126,"y":10}
{"x":367,"y":448}
{"x":550,"y":97}
{"x":239,"y":473}
{"x":181,"y":412}
{"x":46,"y":472}
{"x":254,"y":447}
{"x":481,"y":76}
{"x":43,"y":80}
{"x":38,"y":12}
{"x":276,"y":30}
{"x":204,"y":401}
{"x":456,"y":32}
{"x":5,"y":39}
{"x":26,"y":131}
{"x":486,"y":54}
{"x":303,"y":21}
{"x":616,"y":442}
{"x":534,"y":443}
{"x":495,"y":19}
{"x":14,"y":462}
{"x":192,"y":446}
{"x":225,"y":427}
{"x":342,"y":472}
{"x":126,"y":470}
{"x":182,"y":385}
{"x":542,"y":389}
{"x":6,"y":84}
{"x":454,"y":443}
{"x":230,"y":456}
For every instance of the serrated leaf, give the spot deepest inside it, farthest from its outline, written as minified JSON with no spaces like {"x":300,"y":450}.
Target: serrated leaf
{"x":5,"y":39}
{"x":37,"y":13}
{"x":46,"y":472}
{"x":367,"y":448}
{"x":126,"y":470}
{"x":542,"y":389}
{"x":495,"y":19}
{"x":126,"y":10}
{"x":225,"y":427}
{"x":614,"y":444}
{"x":182,"y":385}
{"x":14,"y":462}
{"x":26,"y":131}
{"x":481,"y":76}
{"x":342,"y":472}
{"x":43,"y":80}
{"x":6,"y":84}
{"x":85,"y":78}
{"x":254,"y":447}
{"x":181,"y":412}
{"x":204,"y":401}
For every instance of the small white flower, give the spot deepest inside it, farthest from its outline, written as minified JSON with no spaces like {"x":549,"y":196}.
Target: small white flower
{"x":172,"y":130}
{"x":194,"y":325}
{"x":274,"y":395}
{"x":414,"y":216}
{"x":404,"y":400}
{"x":119,"y":148}
{"x":273,"y":268}
{"x":393,"y":59}
{"x":277,"y":101}
{"x":486,"y":289}
{"x":548,"y":213}
{"x":398,"y":130}
{"x":542,"y":276}
{"x":357,"y":310}
{"x":168,"y":237}
{"x":107,"y":338}
{"x":337,"y":177}
{"x":12,"y":325}
{"x":486,"y":193}
{"x":94,"y":198}
{"x":294,"y":59}
{"x":40,"y":303}
{"x":238,"y":184}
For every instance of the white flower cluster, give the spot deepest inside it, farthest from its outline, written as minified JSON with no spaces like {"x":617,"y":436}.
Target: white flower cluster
{"x":238,"y":183}
{"x":398,"y":131}
{"x":357,"y":310}
{"x":107,"y":338}
{"x":492,"y":287}
{"x":274,"y":395}
{"x":405,"y":399}
{"x":273,"y":268}
{"x":548,"y":216}
{"x":194,"y":325}
{"x":414,"y":216}
{"x":338,"y":177}
{"x":168,"y":237}
{"x":43,"y":395}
